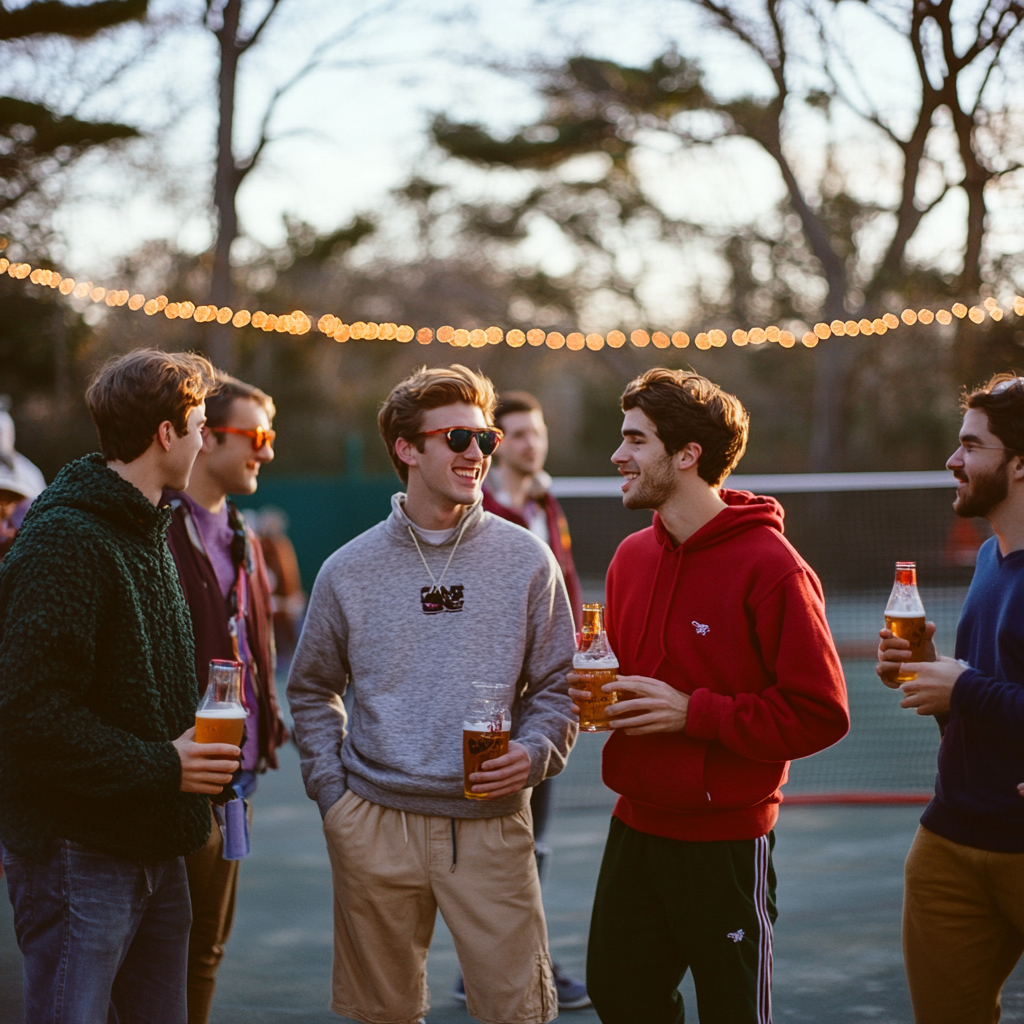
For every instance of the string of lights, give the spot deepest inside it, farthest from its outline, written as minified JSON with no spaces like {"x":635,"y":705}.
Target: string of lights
{"x":297,"y":322}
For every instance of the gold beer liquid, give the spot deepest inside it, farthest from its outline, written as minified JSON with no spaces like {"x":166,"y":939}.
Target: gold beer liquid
{"x":911,"y":628}
{"x":592,"y":709}
{"x":220,"y":726}
{"x":479,"y":744}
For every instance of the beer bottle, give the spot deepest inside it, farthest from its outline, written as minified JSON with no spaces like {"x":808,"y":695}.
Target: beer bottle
{"x":904,"y":614}
{"x":595,"y":664}
{"x":220,"y":717}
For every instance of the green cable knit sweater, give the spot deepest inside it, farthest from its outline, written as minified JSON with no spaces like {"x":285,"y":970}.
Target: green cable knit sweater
{"x":96,"y":676}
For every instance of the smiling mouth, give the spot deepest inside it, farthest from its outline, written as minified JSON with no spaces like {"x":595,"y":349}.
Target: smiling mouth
{"x":467,"y":473}
{"x":629,"y":476}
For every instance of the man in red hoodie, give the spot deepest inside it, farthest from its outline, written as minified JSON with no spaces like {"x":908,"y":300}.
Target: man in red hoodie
{"x":720,"y":631}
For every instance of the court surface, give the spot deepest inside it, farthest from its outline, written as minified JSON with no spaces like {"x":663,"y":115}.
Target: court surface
{"x":837,"y":952}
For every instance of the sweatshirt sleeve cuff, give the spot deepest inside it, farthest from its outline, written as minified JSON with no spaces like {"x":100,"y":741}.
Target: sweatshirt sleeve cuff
{"x":327,"y":796}
{"x":705,"y":713}
{"x":964,"y":687}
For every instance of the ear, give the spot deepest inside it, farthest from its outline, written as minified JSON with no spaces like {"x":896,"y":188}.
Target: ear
{"x":209,"y":441}
{"x":1017,"y":468}
{"x":165,"y":434}
{"x":688,"y":456}
{"x":407,"y":452}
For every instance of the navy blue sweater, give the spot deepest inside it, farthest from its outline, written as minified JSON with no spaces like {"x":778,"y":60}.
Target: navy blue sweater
{"x":981,"y":759}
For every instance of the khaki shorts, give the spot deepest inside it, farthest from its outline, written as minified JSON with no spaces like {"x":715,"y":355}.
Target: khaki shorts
{"x":393,"y":870}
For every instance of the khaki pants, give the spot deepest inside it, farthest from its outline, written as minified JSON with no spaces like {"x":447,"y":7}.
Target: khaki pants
{"x":963,"y":928}
{"x":212,"y":885}
{"x":392,"y":872}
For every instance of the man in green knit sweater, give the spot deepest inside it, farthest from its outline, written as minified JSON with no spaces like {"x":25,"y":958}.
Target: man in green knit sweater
{"x":101,"y":784}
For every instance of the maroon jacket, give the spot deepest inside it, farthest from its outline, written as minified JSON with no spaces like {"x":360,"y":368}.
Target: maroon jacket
{"x":561,"y":543}
{"x":210,"y":613}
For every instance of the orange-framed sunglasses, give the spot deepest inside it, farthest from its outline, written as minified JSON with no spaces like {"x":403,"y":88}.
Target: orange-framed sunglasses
{"x":260,"y":437}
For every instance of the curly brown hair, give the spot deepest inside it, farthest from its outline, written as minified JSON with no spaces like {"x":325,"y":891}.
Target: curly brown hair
{"x":1003,"y":405}
{"x":686,"y":407}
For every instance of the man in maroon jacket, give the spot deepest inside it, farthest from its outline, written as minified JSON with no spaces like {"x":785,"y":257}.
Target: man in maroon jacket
{"x":720,"y":631}
{"x":518,"y":489}
{"x":220,"y":564}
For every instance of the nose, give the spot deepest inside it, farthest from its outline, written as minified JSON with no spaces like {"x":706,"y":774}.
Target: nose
{"x":956,"y":460}
{"x":473,"y":452}
{"x":620,"y":458}
{"x":265,"y":454}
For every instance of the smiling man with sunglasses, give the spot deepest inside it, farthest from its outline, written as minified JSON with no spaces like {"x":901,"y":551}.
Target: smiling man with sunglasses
{"x":409,"y":615}
{"x":220,"y":564}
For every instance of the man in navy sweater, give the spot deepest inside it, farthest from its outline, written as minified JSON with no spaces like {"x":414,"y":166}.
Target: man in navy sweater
{"x":963,"y":909}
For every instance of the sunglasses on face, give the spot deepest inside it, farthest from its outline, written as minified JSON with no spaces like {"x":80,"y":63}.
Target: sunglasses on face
{"x":259,"y":436}
{"x":460,"y":438}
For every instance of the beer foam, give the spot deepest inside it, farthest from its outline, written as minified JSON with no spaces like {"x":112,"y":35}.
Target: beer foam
{"x":222,"y":713}
{"x":506,"y":725}
{"x":905,"y":615}
{"x":605,"y":661}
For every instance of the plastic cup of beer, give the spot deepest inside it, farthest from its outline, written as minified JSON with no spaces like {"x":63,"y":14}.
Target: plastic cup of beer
{"x":220,"y":717}
{"x":486,"y":729}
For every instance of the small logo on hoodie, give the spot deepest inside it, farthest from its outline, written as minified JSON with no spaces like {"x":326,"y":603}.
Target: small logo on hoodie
{"x":736,"y":936}
{"x":702,"y":630}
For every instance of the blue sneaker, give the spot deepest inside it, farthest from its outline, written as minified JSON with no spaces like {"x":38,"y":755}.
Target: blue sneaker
{"x":572,"y":993}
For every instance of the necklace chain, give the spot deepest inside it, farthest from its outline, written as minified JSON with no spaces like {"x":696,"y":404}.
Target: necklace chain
{"x":437,"y":582}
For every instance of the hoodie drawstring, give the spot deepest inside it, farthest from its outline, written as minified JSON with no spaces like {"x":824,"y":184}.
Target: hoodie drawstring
{"x":405,"y":828}
{"x":455,"y":849}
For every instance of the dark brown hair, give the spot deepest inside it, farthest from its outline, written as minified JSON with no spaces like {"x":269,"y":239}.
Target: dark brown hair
{"x":133,"y":394}
{"x":401,"y":415}
{"x":220,"y":402}
{"x":686,"y":407}
{"x":1005,"y":408}
{"x":510,"y":402}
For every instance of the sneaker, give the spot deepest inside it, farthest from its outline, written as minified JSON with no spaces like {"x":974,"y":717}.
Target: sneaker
{"x":459,"y":992}
{"x":572,"y":993}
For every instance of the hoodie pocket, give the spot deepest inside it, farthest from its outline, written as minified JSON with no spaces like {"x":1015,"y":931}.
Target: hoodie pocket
{"x":666,"y":770}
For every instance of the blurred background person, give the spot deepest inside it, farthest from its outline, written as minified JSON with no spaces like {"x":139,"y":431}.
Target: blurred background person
{"x":220,"y":564}
{"x":287,"y":599}
{"x":21,"y":481}
{"x":518,"y":489}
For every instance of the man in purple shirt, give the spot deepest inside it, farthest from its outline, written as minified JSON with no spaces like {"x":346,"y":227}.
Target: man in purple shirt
{"x":220,"y":564}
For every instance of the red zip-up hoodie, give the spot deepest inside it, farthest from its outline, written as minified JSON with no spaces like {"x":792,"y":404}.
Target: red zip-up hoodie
{"x":735,"y":618}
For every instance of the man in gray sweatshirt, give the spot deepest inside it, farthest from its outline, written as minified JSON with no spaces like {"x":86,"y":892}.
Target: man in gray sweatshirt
{"x":409,"y":614}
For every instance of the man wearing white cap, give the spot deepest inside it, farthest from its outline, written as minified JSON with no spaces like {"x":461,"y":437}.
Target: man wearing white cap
{"x":21,"y":482}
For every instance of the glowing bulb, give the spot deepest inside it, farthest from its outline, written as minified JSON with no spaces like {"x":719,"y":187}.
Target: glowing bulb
{"x":341,"y":333}
{"x":879,"y":326}
{"x":224,"y":314}
{"x":640,"y":338}
{"x":327,"y":324}
{"x":388,"y":331}
{"x":270,"y":324}
{"x":495,"y":335}
{"x":595,"y":342}
{"x":717,"y":337}
{"x":772,"y":333}
{"x":616,"y":339}
{"x":976,"y":313}
{"x":822,"y":331}
{"x":909,"y":317}
{"x":809,"y":339}
{"x":852,"y":328}
{"x":555,"y":340}
{"x":739,"y":337}
{"x":892,"y":321}
{"x":111,"y":299}
{"x":866,"y":327}
{"x":445,"y":334}
{"x":171,"y":311}
{"x":81,"y":290}
{"x":660,"y":339}
{"x":959,"y":310}
{"x":680,"y":339}
{"x":1018,"y":305}
{"x":757,"y":336}
{"x":358,"y":330}
{"x":575,"y":341}
{"x":702,"y":341}
{"x":535,"y":336}
{"x":944,"y":317}
{"x":404,"y":334}
{"x":36,"y":277}
{"x":372,"y":331}
{"x":259,"y":318}
{"x":241,"y":318}
{"x":461,"y":338}
{"x":424,"y":335}
{"x":990,"y":303}
{"x":151,"y":307}
{"x":478,"y":337}
{"x":925,"y":316}
{"x":787,"y":339}
{"x":838,"y":328}
{"x":515,"y":338}
{"x":67,"y":286}
{"x":996,"y":313}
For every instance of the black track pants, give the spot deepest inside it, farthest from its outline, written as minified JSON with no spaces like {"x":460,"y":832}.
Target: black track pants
{"x":663,"y":907}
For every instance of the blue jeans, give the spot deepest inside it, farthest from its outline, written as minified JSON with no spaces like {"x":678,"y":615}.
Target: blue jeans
{"x":104,"y":940}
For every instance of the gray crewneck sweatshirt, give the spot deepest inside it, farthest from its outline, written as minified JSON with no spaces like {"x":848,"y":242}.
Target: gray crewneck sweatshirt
{"x":410,"y":672}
